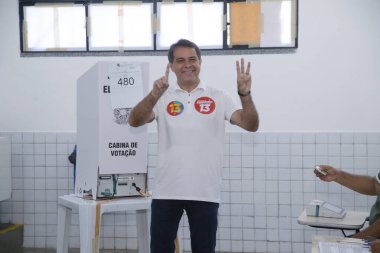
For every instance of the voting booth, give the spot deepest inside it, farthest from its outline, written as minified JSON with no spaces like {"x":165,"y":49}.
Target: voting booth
{"x":111,"y":155}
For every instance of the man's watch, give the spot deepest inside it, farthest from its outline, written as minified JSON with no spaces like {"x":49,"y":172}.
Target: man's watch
{"x":243,"y":95}
{"x":378,"y":178}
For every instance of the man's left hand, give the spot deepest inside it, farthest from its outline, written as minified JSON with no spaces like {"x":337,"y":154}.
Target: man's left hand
{"x":244,"y":80}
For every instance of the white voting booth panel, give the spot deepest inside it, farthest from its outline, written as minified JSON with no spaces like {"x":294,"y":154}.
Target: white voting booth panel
{"x":5,"y":168}
{"x":111,"y":155}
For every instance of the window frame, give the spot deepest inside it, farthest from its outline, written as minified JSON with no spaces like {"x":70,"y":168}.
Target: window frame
{"x":226,"y":50}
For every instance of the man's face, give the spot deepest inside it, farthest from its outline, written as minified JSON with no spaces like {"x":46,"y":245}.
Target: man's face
{"x":186,"y":66}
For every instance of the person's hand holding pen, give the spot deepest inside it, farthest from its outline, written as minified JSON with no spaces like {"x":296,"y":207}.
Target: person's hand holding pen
{"x":161,"y":84}
{"x":326,"y":173}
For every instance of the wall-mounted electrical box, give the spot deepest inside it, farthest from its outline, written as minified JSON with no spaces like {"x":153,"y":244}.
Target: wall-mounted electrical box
{"x":111,"y":155}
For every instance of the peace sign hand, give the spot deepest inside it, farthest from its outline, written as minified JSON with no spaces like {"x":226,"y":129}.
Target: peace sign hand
{"x":244,"y":79}
{"x":161,"y":84}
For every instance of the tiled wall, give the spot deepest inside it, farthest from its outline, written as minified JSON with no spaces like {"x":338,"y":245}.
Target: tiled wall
{"x":268,"y":180}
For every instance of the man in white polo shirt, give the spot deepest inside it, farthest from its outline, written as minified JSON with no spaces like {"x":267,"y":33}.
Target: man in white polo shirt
{"x":191,"y":127}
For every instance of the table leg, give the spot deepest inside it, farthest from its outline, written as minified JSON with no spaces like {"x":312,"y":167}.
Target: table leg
{"x":87,"y":219}
{"x":63,"y":229}
{"x":143,"y":231}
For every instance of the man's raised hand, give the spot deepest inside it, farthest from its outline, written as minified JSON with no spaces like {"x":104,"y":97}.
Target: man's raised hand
{"x":161,"y":84}
{"x":244,"y":79}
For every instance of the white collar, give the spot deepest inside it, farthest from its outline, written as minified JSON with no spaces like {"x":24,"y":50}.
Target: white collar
{"x":201,"y":86}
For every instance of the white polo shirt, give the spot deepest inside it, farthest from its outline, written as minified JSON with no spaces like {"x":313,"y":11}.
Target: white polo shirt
{"x":191,"y":130}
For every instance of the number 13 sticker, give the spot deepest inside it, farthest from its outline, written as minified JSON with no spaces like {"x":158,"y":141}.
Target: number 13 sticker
{"x":205,"y":105}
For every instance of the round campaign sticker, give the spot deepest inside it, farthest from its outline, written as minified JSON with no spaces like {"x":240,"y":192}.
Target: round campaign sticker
{"x":205,"y":105}
{"x":175,"y":108}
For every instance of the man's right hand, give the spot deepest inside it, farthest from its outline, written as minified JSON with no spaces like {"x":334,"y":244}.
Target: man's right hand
{"x":161,"y":85}
{"x":143,"y":113}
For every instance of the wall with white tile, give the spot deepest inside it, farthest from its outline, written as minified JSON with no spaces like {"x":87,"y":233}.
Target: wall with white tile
{"x":268,"y":180}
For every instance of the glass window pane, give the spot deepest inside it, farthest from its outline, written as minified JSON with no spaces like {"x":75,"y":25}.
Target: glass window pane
{"x":198,"y":22}
{"x":262,"y":24}
{"x":277,"y":24}
{"x":57,"y":27}
{"x":122,"y":26}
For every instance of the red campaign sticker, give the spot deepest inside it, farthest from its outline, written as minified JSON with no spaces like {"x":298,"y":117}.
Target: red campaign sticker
{"x":174,"y":108}
{"x":205,"y":105}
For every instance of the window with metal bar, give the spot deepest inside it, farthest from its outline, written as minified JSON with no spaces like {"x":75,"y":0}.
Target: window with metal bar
{"x":149,"y":26}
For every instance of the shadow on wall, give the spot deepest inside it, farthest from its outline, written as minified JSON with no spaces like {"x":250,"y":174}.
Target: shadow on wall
{"x":73,"y":160}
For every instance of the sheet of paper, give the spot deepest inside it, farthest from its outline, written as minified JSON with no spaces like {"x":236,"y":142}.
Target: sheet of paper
{"x":126,"y":85}
{"x":342,"y":247}
{"x":245,"y":23}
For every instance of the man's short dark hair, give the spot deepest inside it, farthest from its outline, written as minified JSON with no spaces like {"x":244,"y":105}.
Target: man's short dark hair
{"x":183,"y":43}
